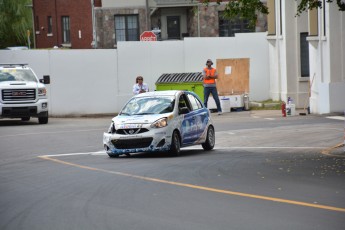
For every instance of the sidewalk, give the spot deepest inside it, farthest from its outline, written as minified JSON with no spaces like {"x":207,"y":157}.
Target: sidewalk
{"x":278,"y":113}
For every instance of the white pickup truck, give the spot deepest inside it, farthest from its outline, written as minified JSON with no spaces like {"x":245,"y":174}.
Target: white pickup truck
{"x":23,"y":95}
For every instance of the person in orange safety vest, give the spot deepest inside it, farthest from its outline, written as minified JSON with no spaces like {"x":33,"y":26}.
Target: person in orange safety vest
{"x":209,"y":82}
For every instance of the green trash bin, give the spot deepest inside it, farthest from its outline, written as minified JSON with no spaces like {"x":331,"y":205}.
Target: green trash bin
{"x":181,"y":81}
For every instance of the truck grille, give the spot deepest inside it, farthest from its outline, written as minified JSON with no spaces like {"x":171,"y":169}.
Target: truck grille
{"x":18,"y":95}
{"x":132,"y":143}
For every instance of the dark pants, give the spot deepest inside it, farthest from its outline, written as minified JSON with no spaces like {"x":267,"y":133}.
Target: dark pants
{"x":213,"y":91}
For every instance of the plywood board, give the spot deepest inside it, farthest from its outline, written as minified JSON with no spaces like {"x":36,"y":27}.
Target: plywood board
{"x":233,"y":76}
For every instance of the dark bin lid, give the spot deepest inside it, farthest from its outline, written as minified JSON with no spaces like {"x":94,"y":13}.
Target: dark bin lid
{"x":180,"y":77}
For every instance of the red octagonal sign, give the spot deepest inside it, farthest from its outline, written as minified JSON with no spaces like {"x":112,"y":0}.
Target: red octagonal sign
{"x":148,"y":36}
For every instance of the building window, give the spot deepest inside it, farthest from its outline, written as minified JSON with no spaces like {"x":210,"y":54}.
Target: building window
{"x":271,"y":17}
{"x":304,"y":49}
{"x":313,"y":22}
{"x":50,"y":25}
{"x":37,"y":24}
{"x":228,"y":28}
{"x":66,"y":38}
{"x":127,"y":28}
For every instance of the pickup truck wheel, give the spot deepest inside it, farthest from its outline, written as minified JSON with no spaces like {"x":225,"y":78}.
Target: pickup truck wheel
{"x":25,"y":118}
{"x":43,"y":120}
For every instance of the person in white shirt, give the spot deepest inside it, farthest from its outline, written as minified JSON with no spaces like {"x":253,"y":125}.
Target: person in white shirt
{"x":140,"y":86}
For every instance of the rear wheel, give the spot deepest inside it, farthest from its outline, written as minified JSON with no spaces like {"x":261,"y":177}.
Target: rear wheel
{"x":175,"y":144}
{"x":210,"y":139}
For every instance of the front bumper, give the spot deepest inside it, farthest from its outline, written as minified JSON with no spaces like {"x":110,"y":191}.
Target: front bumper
{"x":37,"y":109}
{"x":157,"y":140}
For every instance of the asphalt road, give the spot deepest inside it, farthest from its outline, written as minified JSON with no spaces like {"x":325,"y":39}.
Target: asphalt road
{"x":266,"y":172}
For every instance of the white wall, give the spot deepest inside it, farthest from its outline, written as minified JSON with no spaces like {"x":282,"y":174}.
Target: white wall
{"x":253,"y":46}
{"x":326,"y":60}
{"x":100,"y":81}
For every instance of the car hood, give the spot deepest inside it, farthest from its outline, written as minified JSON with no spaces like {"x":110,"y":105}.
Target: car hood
{"x":137,"y":119}
{"x":19,"y":84}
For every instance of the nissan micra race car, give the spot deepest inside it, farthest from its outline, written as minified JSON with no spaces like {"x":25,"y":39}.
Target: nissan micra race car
{"x":160,"y":121}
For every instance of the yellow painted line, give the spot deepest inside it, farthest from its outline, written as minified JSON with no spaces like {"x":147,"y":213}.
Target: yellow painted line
{"x":329,"y":150}
{"x":228,"y":192}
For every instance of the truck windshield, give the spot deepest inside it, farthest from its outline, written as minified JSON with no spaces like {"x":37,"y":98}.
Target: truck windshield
{"x":17,"y":75}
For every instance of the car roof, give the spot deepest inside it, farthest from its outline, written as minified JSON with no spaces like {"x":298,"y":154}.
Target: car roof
{"x":160,"y":93}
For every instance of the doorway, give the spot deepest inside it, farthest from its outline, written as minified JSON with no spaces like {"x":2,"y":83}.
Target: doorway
{"x":173,"y":23}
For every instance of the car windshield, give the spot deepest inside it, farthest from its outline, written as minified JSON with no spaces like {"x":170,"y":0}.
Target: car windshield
{"x":149,"y":105}
{"x":17,"y":75}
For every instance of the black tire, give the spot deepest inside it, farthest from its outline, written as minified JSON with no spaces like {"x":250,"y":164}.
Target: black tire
{"x":175,"y":147}
{"x":43,"y":120}
{"x":210,"y":139}
{"x":25,"y":118}
{"x":111,"y":155}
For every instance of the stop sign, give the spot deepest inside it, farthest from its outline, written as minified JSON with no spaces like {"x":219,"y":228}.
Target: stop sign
{"x":148,"y":36}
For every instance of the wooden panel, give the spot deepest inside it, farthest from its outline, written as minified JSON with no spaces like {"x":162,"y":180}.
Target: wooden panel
{"x":233,"y":76}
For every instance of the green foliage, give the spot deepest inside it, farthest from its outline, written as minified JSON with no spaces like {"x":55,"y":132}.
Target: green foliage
{"x":311,"y":4}
{"x":245,"y":9}
{"x":15,"y":20}
{"x":248,"y":9}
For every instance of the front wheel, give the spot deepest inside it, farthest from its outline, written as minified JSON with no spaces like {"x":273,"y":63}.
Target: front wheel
{"x":175,"y":144}
{"x":43,"y":120}
{"x":210,"y":139}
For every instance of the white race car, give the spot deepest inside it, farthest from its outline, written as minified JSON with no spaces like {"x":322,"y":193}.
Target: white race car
{"x":160,"y":121}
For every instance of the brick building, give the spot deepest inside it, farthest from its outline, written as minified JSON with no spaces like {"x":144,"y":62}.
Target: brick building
{"x":85,"y":24}
{"x":63,"y":23}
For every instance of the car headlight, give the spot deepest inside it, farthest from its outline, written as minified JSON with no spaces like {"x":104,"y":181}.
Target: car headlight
{"x":111,"y":128}
{"x":42,"y":92}
{"x":160,"y":123}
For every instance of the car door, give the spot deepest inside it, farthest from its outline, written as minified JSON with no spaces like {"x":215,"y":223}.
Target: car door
{"x":199,"y":118}
{"x":187,"y":117}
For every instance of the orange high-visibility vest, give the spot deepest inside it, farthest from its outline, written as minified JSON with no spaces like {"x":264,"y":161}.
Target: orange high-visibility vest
{"x":210,"y":72}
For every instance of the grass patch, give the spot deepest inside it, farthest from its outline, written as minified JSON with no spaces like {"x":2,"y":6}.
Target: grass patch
{"x":266,"y":105}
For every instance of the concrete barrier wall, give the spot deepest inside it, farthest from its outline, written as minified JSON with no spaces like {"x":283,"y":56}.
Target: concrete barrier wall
{"x":100,"y":81}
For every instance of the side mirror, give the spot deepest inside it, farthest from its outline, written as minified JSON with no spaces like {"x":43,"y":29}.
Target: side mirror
{"x":45,"y":80}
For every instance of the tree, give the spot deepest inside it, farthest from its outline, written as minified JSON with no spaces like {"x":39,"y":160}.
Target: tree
{"x":248,"y":9}
{"x":15,"y":20}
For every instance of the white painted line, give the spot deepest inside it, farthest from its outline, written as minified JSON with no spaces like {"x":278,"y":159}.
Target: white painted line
{"x":270,"y":147}
{"x":102,"y":152}
{"x":271,"y":119}
{"x":29,"y":134}
{"x":337,"y":118}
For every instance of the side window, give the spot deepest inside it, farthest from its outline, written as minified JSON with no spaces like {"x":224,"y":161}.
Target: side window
{"x":183,"y":102}
{"x":195,"y":103}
